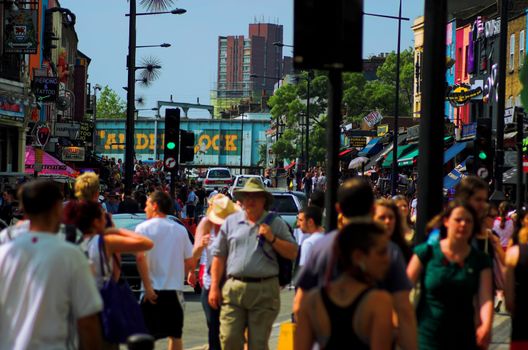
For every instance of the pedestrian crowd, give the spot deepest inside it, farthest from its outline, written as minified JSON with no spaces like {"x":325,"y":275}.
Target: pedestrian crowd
{"x":368,"y":284}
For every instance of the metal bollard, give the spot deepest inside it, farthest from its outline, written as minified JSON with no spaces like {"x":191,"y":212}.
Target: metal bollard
{"x":140,"y":342}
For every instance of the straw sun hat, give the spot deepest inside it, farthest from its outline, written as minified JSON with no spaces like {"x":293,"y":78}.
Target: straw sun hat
{"x":220,"y":207}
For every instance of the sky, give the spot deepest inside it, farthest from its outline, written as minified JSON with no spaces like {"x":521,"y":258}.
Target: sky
{"x":189,"y":66}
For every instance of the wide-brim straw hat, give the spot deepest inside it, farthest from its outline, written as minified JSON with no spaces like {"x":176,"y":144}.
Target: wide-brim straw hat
{"x":220,"y":207}
{"x":253,"y":186}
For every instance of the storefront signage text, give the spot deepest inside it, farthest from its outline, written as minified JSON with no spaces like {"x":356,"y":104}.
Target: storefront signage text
{"x":460,"y":94}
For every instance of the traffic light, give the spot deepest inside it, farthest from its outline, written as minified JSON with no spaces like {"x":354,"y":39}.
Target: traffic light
{"x":172,"y":130}
{"x":187,"y":146}
{"x":483,"y":149}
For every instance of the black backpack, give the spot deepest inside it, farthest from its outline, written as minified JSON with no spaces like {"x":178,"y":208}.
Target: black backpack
{"x":285,"y":265}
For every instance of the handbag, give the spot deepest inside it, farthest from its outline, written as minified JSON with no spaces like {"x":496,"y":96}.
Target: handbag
{"x":121,"y":315}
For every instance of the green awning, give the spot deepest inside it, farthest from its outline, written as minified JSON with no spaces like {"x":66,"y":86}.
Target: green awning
{"x":408,"y":159}
{"x":402,"y":149}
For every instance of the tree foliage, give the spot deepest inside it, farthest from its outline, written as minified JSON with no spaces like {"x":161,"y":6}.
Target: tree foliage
{"x":110,"y":105}
{"x":360,"y":97}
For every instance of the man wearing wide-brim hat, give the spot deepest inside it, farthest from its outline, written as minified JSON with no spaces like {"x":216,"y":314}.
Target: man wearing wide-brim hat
{"x":245,"y":251}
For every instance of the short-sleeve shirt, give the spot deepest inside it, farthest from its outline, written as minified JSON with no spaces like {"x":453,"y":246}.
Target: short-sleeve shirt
{"x":246,"y":257}
{"x":313,"y":273}
{"x":166,"y":261}
{"x":46,"y":286}
{"x":307,"y":245}
{"x":445,"y":313}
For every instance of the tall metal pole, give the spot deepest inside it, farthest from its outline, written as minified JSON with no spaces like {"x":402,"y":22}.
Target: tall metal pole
{"x":394,"y":174}
{"x":333,"y":143}
{"x":498,"y":195}
{"x":431,"y":146}
{"x":131,"y":66}
{"x":241,"y":142}
{"x":307,"y":135}
{"x":519,"y":113}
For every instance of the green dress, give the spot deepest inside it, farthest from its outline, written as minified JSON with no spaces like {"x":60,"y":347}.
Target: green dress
{"x":445,"y":311}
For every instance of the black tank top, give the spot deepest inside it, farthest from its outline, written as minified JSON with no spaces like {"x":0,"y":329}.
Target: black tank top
{"x":341,"y":327}
{"x":520,"y":314}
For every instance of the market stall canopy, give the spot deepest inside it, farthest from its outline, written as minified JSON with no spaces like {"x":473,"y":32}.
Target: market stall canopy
{"x":50,"y":164}
{"x":373,"y":147}
{"x":357,"y":163}
{"x":402,"y":149}
{"x":452,"y":151}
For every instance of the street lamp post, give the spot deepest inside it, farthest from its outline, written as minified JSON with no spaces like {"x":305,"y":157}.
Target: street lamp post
{"x":131,"y":82}
{"x":95,"y":88}
{"x":394,"y":174}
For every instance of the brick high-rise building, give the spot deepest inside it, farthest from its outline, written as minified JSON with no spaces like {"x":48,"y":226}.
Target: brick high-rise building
{"x":240,"y":57}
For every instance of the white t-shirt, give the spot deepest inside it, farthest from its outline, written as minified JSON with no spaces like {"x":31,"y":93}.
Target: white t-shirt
{"x":171,"y":247}
{"x":307,"y":245}
{"x":46,"y":286}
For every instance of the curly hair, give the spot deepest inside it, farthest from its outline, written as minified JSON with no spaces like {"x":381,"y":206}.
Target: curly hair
{"x":87,"y":186}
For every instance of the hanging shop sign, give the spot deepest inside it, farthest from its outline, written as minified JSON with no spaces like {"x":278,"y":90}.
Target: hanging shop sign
{"x":70,"y":130}
{"x":459,"y":95}
{"x":46,"y":88}
{"x":42,"y":134}
{"x":469,"y":130}
{"x":20,"y":31}
{"x":73,"y":154}
{"x":373,"y":118}
{"x":86,"y":131}
{"x":359,"y":142}
{"x":382,"y":130}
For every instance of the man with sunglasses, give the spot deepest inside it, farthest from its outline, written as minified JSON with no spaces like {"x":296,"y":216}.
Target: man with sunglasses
{"x":245,"y":251}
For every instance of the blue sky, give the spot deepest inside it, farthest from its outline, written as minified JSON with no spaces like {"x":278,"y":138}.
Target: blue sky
{"x":189,"y":65}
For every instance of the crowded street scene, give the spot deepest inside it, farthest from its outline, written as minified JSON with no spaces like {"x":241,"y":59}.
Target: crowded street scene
{"x":284,"y":175}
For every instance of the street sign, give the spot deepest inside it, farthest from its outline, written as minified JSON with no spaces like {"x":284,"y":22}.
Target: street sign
{"x":525,"y":164}
{"x":170,"y":163}
{"x":359,"y":142}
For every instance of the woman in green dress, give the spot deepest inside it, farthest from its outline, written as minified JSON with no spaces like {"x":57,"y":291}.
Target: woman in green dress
{"x":453,"y":275}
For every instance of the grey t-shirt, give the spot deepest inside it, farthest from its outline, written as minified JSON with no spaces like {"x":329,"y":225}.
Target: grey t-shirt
{"x":246,"y":257}
{"x":313,"y":273}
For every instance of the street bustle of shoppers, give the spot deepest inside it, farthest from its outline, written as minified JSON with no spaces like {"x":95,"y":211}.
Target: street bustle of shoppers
{"x":320,"y":199}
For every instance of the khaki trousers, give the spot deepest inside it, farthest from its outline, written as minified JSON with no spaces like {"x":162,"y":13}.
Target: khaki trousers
{"x":254,"y":305}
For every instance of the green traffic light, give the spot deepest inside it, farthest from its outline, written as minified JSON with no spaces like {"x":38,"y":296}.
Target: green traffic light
{"x":171,"y":145}
{"x":482,"y":155}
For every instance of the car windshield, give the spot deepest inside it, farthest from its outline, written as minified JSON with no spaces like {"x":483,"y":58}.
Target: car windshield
{"x":219,"y":173}
{"x":241,"y":182}
{"x":128,"y":221}
{"x":284,"y":204}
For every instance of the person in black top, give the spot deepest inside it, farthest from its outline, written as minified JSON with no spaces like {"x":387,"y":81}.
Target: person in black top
{"x":128,"y":205}
{"x":334,"y":316}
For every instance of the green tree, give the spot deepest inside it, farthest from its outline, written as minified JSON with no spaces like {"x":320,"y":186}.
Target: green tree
{"x":110,"y":105}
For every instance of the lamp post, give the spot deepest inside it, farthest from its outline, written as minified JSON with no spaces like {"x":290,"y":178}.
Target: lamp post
{"x":394,"y":174}
{"x":131,"y":82}
{"x":95,"y":88}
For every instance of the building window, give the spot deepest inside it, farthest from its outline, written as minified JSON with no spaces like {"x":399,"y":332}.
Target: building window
{"x":247,"y":59}
{"x":512,"y":52}
{"x":246,"y":76}
{"x":521,"y":48}
{"x":223,"y":76}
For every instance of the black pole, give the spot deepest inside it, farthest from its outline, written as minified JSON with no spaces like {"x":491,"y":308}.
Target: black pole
{"x":519,"y":113}
{"x":241,"y":142}
{"x":333,"y":142}
{"x":501,"y":90}
{"x":131,"y":87}
{"x":307,"y":136}
{"x":394,"y":175}
{"x":431,"y":145}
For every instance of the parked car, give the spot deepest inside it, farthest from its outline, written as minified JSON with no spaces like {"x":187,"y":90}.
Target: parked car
{"x":240,"y":181}
{"x":128,"y":261}
{"x":287,"y":204}
{"x":217,"y":177}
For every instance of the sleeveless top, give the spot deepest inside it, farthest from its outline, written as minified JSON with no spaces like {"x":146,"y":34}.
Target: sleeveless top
{"x":520,"y":314}
{"x":90,"y":246}
{"x":341,"y":323}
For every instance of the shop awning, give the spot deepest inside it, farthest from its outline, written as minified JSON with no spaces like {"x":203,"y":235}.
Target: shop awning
{"x":373,"y":147}
{"x":453,"y":178}
{"x":452,"y":151}
{"x":402,"y":149}
{"x":345,"y":152}
{"x":50,"y":164}
{"x":408,"y":159}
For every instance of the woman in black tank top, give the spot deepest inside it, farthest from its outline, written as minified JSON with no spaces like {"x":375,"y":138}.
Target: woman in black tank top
{"x":348,"y":310}
{"x":516,"y":293}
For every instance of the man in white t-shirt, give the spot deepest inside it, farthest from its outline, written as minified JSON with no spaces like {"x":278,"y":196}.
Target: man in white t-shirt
{"x":310,"y":222}
{"x":163,"y":270}
{"x":48,"y":297}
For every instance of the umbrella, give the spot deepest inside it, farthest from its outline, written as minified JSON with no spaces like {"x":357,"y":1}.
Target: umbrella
{"x":357,"y":162}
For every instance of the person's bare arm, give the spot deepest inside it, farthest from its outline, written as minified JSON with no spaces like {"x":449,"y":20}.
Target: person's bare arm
{"x":381,"y":330}
{"x":217,"y":272}
{"x":485,"y":299}
{"x":407,"y":335}
{"x":414,"y":269}
{"x":89,"y":330}
{"x":298,"y":301}
{"x":201,"y":238}
{"x":142,"y":266}
{"x":126,"y":241}
{"x":512,"y":257}
{"x":287,"y":250}
{"x":304,"y":336}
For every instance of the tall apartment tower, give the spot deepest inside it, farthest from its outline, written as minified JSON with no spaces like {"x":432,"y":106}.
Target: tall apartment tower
{"x":239,"y":57}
